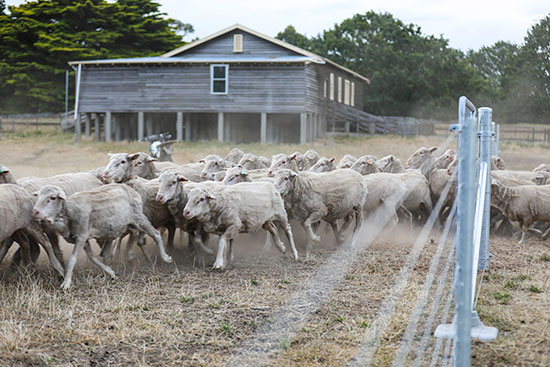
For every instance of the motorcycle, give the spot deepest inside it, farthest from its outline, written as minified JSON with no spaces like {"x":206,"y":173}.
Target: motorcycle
{"x":161,"y":146}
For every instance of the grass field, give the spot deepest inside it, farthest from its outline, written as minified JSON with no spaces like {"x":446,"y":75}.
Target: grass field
{"x":166,"y":315}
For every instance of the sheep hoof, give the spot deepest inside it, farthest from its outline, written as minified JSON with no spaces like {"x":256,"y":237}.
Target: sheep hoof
{"x":167,"y":259}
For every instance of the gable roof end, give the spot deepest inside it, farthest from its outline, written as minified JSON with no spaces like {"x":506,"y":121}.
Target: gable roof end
{"x":298,"y":50}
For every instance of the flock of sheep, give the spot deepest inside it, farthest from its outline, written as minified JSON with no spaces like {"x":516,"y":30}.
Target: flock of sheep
{"x":135,"y":195}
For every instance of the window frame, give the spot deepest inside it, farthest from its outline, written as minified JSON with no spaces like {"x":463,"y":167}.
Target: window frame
{"x":339,"y":89}
{"x":347,"y":92}
{"x":331,"y":92}
{"x":212,"y":79}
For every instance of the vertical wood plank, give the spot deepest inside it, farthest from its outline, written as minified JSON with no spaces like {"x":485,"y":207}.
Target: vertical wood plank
{"x":141,"y":121}
{"x":263,"y":128}
{"x":108,"y":136}
{"x":220,"y":127}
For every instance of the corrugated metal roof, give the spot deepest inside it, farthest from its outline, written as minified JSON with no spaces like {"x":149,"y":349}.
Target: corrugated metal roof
{"x":202,"y":59}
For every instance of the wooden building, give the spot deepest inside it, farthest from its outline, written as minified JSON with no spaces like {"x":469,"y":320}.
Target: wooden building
{"x":236,"y":85}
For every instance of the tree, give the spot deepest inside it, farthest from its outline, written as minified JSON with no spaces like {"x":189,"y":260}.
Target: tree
{"x":290,"y":35}
{"x":410,"y":73}
{"x":531,"y":92}
{"x":181,"y":28}
{"x":39,"y":38}
{"x":2,"y":6}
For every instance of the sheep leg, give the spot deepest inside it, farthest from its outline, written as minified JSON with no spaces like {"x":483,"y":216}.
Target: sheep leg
{"x":96,"y":261}
{"x":171,"y":234}
{"x":146,"y":227}
{"x":4,"y":247}
{"x":141,"y":245}
{"x":312,"y":237}
{"x":106,"y":251}
{"x":523,"y":235}
{"x":79,"y":245}
{"x":54,"y":240}
{"x":337,"y":232}
{"x":405,"y":212}
{"x":357,"y":226}
{"x":129,"y":254}
{"x":23,"y":242}
{"x":195,"y":241}
{"x":274,"y":232}
{"x":230,"y":251}
{"x":544,"y":235}
{"x":40,"y":238}
{"x":229,"y":234}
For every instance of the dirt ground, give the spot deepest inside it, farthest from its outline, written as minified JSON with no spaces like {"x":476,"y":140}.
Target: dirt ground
{"x":183,"y":315}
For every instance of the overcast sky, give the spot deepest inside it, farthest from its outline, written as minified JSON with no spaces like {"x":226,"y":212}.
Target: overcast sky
{"x":467,"y":24}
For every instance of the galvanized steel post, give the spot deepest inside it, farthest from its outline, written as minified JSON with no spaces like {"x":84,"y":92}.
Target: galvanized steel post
{"x":485,"y":138}
{"x":466,"y":196}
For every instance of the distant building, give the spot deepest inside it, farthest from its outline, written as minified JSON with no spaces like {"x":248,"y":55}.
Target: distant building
{"x":236,"y":85}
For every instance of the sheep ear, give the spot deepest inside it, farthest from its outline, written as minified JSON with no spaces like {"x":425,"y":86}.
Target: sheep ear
{"x":62,"y":196}
{"x":244,"y":172}
{"x":151,"y":159}
{"x":391,"y":158}
{"x":433,"y":149}
{"x":332,"y":160}
{"x":110,"y":155}
{"x":201,"y":160}
{"x":369,"y":161}
{"x":182,"y":178}
{"x":292,"y":156}
{"x":210,"y":196}
{"x":4,"y":170}
{"x":132,"y":156}
{"x":292,"y":174}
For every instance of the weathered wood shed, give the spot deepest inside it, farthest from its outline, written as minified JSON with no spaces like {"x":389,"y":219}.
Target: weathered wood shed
{"x":236,"y":85}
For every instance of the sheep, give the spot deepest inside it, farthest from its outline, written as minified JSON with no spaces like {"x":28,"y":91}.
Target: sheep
{"x":524,"y":204}
{"x":173,"y":192}
{"x":418,"y":197}
{"x":541,"y":178}
{"x":123,"y":167}
{"x":323,"y":165}
{"x":330,"y":196}
{"x":543,"y":167}
{"x":213,"y":166}
{"x":497,"y":163}
{"x":104,"y":213}
{"x":387,"y":192}
{"x":241,"y":208}
{"x":209,"y":158}
{"x":237,"y":174}
{"x":389,"y":164}
{"x":311,"y":157}
{"x":16,"y":206}
{"x":252,"y":161}
{"x":6,"y":176}
{"x":365,"y":165}
{"x":347,"y":161}
{"x":418,"y":158}
{"x":156,"y":213}
{"x":281,"y":160}
{"x":234,"y":156}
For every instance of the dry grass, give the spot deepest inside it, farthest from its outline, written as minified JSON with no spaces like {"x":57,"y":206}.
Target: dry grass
{"x":174,"y":316}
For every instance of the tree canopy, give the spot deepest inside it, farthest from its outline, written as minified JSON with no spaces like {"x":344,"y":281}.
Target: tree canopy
{"x":38,"y":38}
{"x":420,"y":75}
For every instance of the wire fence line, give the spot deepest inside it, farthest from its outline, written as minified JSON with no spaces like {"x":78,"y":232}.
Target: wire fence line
{"x":288,"y":319}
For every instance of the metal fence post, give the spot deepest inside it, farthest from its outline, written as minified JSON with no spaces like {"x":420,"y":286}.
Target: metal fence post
{"x":466,"y":196}
{"x":486,"y":135}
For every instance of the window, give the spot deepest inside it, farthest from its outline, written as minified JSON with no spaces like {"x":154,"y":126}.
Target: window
{"x":331,"y":86}
{"x":218,"y":79}
{"x":237,"y":43}
{"x":346,"y":91}
{"x":340,"y":89}
{"x":325,"y":88}
{"x":353,"y":94}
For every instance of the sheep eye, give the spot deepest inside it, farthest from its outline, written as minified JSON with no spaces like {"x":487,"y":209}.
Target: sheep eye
{"x":53,"y":198}
{"x":123,"y":162}
{"x":202,"y":199}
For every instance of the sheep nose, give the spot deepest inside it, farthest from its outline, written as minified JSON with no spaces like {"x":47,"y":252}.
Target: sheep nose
{"x":186,"y":213}
{"x":35,"y":213}
{"x":160,"y":198}
{"x":105,"y":175}
{"x":270,"y":174}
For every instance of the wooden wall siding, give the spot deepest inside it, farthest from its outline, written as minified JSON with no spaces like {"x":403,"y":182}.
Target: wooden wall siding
{"x":277,"y":88}
{"x":316,"y":75}
{"x":252,"y":46}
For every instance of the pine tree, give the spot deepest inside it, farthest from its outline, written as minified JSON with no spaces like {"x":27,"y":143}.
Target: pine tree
{"x":38,"y":39}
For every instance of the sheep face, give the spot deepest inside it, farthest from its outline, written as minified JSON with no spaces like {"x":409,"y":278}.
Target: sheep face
{"x":118,"y":168}
{"x":141,"y":164}
{"x":235,"y":175}
{"x":198,"y":203}
{"x":48,"y":204}
{"x":168,"y":186}
{"x":284,"y":181}
{"x":324,"y":165}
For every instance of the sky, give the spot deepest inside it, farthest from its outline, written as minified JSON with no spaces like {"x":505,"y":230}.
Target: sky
{"x":467,"y":24}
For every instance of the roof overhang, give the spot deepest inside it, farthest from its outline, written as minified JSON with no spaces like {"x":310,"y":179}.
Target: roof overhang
{"x":172,"y":58}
